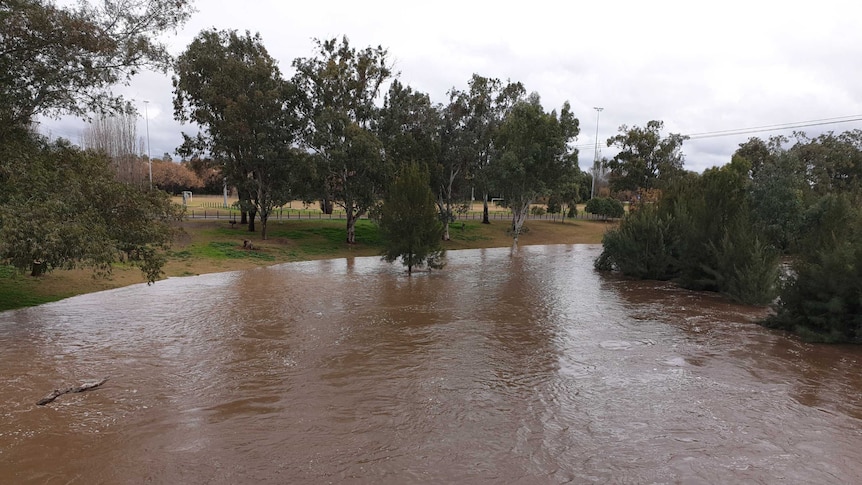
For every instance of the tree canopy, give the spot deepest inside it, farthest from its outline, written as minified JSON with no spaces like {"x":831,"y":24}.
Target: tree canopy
{"x":645,"y":160}
{"x":339,"y":87}
{"x":534,"y":156}
{"x":62,"y":207}
{"x":64,"y":60}
{"x":409,"y":224}
{"x":232,"y":89}
{"x":480,"y":111}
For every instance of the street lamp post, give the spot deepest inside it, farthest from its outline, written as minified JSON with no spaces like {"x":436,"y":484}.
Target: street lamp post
{"x":149,"y":157}
{"x":596,"y":155}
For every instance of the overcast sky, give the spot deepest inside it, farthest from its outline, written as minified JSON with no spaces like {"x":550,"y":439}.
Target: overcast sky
{"x":699,"y":67}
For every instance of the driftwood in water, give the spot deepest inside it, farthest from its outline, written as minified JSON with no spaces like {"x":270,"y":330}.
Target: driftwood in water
{"x":59,"y":392}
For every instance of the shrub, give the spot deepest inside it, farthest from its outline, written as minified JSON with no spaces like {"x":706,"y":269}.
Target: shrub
{"x":605,"y":207}
{"x":642,"y":246}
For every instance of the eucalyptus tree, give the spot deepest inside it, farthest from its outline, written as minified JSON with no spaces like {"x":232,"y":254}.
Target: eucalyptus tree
{"x":229,"y":85}
{"x":484,"y":105}
{"x":408,"y":125}
{"x":535,"y":156}
{"x":646,"y":160}
{"x":450,"y":172}
{"x":340,"y":86}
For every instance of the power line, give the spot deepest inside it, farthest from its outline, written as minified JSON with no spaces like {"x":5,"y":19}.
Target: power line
{"x":777,"y":127}
{"x":758,"y":129}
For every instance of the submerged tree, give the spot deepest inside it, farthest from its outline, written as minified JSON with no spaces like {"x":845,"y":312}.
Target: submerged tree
{"x":822,"y":297}
{"x":409,"y":224}
{"x":700,"y":234}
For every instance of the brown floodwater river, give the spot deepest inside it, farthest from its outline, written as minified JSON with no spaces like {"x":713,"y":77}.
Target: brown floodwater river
{"x":503,"y":368}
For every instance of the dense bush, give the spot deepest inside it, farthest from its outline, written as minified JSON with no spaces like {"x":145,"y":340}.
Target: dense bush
{"x":822,"y":298}
{"x":699,"y":235}
{"x":606,"y":207}
{"x":537,"y":210}
{"x":642,"y":246}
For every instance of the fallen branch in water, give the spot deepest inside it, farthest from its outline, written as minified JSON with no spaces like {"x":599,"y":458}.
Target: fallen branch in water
{"x":57,"y":392}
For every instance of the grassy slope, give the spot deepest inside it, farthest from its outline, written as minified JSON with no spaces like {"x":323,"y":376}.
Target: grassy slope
{"x":209,"y":246}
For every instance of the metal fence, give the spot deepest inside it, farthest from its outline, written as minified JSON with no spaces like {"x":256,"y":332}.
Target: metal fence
{"x":295,"y":214}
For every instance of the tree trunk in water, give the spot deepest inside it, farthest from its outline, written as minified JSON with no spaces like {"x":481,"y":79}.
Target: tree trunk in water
{"x":485,"y":219}
{"x":351,"y":227}
{"x":519,"y":215}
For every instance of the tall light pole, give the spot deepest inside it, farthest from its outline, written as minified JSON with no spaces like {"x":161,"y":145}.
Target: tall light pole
{"x":150,"y":158}
{"x":596,"y":156}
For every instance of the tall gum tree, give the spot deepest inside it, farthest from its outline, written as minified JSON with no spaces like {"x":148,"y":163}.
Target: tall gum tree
{"x":646,"y":160}
{"x":485,"y":104}
{"x":535,"y":156}
{"x":449,"y":174}
{"x":340,"y":86}
{"x":229,"y":85}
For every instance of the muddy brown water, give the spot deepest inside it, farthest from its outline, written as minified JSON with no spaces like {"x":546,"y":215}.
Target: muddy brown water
{"x":524,"y":368}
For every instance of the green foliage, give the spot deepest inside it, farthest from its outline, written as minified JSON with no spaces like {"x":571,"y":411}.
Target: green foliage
{"x":822,"y":297}
{"x":251,"y":131}
{"x":409,"y":224}
{"x":535,"y":156}
{"x":606,"y":207}
{"x":645,"y":160}
{"x":777,"y":199}
{"x":339,"y":87}
{"x":645,"y":246}
{"x":831,"y":163}
{"x":537,"y":211}
{"x":62,"y":208}
{"x":474,"y":119}
{"x":63,"y":60}
{"x":409,"y":126}
{"x":700,"y":235}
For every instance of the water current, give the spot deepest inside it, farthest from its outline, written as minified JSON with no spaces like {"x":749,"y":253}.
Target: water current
{"x":525,"y":367}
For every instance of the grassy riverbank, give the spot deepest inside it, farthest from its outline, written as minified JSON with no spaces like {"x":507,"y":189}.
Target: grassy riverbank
{"x":211,"y":246}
